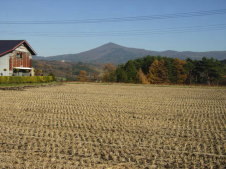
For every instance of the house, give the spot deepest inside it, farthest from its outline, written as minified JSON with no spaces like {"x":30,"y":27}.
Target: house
{"x":15,"y":58}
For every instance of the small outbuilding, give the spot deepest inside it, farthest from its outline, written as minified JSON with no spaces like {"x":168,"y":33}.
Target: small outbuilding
{"x":15,"y":58}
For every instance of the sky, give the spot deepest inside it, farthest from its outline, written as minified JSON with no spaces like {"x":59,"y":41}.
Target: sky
{"x":165,"y":29}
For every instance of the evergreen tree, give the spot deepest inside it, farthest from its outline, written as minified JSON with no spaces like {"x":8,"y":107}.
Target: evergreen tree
{"x":131,"y":72}
{"x":171,"y":69}
{"x":190,"y":70}
{"x":121,"y":75}
{"x":211,"y":70}
{"x":147,"y":61}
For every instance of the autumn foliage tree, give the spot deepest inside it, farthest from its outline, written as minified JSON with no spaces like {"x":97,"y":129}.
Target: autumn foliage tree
{"x":142,"y":78}
{"x":109,"y":73}
{"x":82,"y":77}
{"x":158,"y":72}
{"x":181,"y":74}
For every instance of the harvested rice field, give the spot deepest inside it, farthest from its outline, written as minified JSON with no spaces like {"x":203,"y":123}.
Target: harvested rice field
{"x":113,"y":126}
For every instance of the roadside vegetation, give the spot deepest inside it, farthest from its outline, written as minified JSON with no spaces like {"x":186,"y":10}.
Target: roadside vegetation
{"x":27,"y":84}
{"x":22,"y":82}
{"x":25,"y":79}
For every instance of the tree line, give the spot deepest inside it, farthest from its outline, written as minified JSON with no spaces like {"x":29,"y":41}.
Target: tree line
{"x":164,"y":70}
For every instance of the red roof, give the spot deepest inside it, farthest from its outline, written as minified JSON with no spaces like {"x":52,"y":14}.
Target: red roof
{"x":7,"y":46}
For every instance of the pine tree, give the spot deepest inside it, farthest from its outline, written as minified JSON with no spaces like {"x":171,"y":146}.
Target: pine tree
{"x":211,"y":70}
{"x":131,"y":72}
{"x":189,"y":68}
{"x":121,"y":75}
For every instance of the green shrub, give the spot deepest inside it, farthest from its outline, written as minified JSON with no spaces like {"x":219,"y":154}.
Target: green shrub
{"x":25,"y":79}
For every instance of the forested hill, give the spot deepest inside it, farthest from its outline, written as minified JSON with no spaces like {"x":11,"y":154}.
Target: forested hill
{"x":116,"y":54}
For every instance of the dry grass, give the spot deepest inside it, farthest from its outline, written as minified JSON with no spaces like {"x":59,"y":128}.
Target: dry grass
{"x":113,"y":126}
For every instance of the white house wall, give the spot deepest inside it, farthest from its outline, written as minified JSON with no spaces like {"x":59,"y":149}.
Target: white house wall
{"x":4,"y":65}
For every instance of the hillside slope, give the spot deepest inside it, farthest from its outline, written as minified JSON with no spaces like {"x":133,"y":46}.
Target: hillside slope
{"x":65,"y":69}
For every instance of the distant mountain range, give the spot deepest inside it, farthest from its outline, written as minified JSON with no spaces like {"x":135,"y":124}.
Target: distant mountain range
{"x":113,"y":53}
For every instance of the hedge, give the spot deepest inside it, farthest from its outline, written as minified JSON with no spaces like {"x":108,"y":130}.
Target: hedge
{"x":25,"y":79}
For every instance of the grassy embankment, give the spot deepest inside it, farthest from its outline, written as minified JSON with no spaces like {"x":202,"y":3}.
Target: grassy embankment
{"x":11,"y":81}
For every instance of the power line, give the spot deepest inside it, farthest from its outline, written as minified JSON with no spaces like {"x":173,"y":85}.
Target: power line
{"x":124,"y":31}
{"x":135,"y":34}
{"x":149,"y":32}
{"x":123,"y":19}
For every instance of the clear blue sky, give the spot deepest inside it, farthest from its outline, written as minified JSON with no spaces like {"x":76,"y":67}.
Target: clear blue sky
{"x":54,"y":39}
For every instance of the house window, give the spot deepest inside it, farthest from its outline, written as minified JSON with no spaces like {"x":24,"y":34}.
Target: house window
{"x":19,"y":55}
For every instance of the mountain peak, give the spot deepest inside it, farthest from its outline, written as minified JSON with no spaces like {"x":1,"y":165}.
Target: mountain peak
{"x":111,"y":44}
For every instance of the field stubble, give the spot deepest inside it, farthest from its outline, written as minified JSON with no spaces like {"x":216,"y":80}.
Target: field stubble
{"x":116,"y":126}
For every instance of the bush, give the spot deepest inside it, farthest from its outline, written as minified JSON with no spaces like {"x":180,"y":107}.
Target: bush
{"x":25,"y":79}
